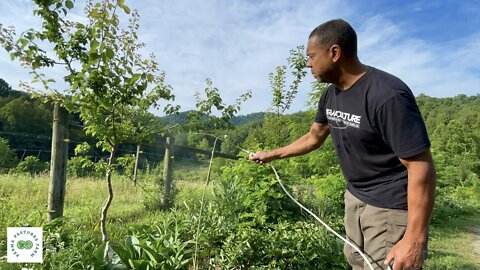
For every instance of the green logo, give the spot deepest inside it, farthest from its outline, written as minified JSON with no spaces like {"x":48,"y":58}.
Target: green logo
{"x":24,"y":244}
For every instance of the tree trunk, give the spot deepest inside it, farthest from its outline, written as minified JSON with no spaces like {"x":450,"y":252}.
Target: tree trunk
{"x":103,"y":220}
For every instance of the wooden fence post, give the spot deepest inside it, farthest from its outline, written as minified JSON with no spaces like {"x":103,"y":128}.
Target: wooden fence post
{"x":136,"y":166}
{"x":58,"y":163}
{"x":168,"y":172}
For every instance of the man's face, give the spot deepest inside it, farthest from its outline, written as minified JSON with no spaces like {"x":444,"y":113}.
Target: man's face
{"x":319,"y":61}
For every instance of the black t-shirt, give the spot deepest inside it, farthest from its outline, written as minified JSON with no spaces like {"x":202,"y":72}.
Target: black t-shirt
{"x":373,"y":124}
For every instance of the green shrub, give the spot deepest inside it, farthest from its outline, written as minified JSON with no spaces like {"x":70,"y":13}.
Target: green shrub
{"x":151,"y":192}
{"x":80,"y":166}
{"x":100,"y":168}
{"x":285,"y":245}
{"x":126,"y":164}
{"x":8,"y":158}
{"x":250,"y":193}
{"x":31,"y":165}
{"x":324,"y":196}
{"x":223,"y":243}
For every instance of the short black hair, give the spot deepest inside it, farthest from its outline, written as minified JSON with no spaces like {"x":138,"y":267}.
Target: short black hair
{"x":338,"y":32}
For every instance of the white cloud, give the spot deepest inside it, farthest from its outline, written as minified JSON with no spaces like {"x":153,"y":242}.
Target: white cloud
{"x":435,"y":69}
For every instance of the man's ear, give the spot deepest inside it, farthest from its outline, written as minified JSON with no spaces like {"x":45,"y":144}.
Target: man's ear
{"x":335,"y":52}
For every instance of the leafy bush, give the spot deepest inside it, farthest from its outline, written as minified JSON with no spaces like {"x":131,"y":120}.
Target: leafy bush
{"x":324,"y":196}
{"x":31,"y":165}
{"x":249,"y":224}
{"x":126,"y":164}
{"x":8,"y":158}
{"x":285,"y":245}
{"x":250,"y":193}
{"x":453,"y":202}
{"x":81,"y":164}
{"x":100,"y":168}
{"x":151,"y":192}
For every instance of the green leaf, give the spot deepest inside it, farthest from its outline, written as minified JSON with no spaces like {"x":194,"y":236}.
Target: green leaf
{"x":69,"y":4}
{"x":93,"y":57}
{"x":23,"y":41}
{"x":132,"y":243}
{"x":94,"y":45}
{"x":126,"y":9}
{"x":138,"y":264}
{"x":101,"y":251}
{"x":134,"y":78}
{"x":122,"y":253}
{"x":110,"y":53}
{"x":151,"y":253}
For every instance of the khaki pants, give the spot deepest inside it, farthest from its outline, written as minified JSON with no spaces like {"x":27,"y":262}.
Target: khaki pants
{"x":374,"y":230}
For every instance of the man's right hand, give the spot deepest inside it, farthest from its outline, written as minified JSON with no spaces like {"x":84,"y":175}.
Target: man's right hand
{"x":262,"y":157}
{"x":305,"y":144}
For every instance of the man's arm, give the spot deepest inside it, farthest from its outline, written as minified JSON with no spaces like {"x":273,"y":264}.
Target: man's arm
{"x":408,"y":252}
{"x":310,"y":141}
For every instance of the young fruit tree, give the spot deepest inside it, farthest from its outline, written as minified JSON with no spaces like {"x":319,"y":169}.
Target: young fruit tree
{"x":109,"y":83}
{"x":275,"y":126}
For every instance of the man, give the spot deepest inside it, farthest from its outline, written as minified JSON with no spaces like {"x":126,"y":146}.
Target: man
{"x":382,"y":146}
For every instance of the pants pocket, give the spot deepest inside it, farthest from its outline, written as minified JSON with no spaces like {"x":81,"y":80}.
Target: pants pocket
{"x":396,"y":226}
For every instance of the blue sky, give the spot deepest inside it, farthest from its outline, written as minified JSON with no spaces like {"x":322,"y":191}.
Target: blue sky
{"x":432,"y":45}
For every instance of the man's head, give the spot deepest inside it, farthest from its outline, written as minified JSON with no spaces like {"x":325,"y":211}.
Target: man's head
{"x":330,"y":44}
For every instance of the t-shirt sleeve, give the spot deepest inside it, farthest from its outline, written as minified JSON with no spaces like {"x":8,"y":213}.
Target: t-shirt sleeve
{"x":321,"y":118}
{"x":401,"y":125}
